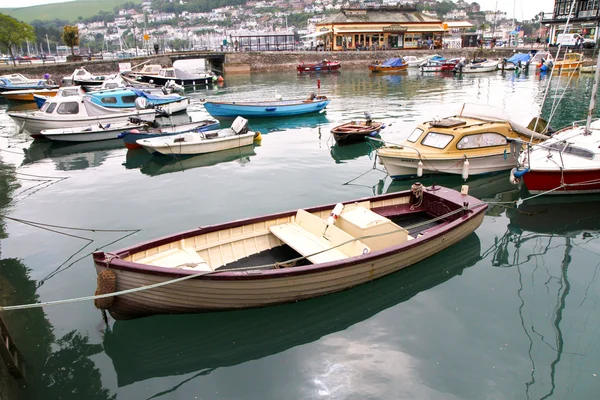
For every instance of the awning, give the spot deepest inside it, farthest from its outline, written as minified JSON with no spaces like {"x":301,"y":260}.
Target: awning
{"x":458,"y":24}
{"x":315,"y":34}
{"x":357,"y":30}
{"x":425,"y":28}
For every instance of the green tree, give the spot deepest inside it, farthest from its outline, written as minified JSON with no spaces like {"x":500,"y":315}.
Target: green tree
{"x":14,"y":32}
{"x":70,"y":36}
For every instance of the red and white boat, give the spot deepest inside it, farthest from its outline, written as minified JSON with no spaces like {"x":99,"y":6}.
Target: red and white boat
{"x":324,"y":65}
{"x":568,"y":162}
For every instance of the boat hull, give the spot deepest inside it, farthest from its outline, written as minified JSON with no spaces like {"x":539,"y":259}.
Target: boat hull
{"x":405,"y":167}
{"x":383,"y":70}
{"x":231,"y":290}
{"x":34,"y":125}
{"x":333,"y":66}
{"x":160,"y":81}
{"x":265,"y":109}
{"x":170,"y":107}
{"x":576,"y":182}
{"x":27,"y":95}
{"x":80,"y":135}
{"x":205,"y":146}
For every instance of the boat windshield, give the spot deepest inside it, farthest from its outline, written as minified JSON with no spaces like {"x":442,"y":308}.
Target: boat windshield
{"x":437,"y":140}
{"x":415,"y":135}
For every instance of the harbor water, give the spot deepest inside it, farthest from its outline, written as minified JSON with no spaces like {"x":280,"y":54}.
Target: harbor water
{"x":511,"y":312}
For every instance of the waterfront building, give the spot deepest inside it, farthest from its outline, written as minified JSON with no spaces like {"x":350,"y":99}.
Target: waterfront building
{"x":378,"y":28}
{"x":584,"y":19}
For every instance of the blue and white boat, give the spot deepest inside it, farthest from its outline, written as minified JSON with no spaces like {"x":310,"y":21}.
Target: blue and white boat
{"x":126,"y":98}
{"x":266,"y":108}
{"x":517,"y":61}
{"x":130,"y":137}
{"x":7,"y":84}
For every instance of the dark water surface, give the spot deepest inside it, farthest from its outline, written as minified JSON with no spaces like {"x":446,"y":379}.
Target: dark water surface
{"x":509,"y":313}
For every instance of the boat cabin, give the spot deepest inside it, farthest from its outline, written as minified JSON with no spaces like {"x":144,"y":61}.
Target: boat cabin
{"x":471,"y":132}
{"x":121,"y":98}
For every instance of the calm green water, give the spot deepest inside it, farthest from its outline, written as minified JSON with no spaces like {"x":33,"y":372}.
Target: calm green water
{"x":509,"y":313}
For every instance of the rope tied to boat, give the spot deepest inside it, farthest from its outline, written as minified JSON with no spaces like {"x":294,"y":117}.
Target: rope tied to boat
{"x":417,"y":191}
{"x":106,"y":280}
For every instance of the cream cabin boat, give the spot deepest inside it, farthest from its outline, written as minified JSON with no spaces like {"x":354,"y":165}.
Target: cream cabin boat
{"x":476,"y":141}
{"x":285,"y":257}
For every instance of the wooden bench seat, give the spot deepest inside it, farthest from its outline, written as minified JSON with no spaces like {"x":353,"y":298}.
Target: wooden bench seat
{"x":305,"y":235}
{"x":184,"y":258}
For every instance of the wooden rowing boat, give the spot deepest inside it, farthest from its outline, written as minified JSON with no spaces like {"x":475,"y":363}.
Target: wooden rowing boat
{"x":236,"y":337}
{"x":354,"y":132}
{"x":246,"y":263}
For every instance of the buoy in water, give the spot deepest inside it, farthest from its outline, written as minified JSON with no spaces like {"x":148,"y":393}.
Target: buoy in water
{"x":257,"y":136}
{"x":220,"y":79}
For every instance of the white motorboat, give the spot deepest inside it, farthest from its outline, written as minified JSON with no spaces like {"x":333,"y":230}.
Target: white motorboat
{"x":202,"y":142}
{"x":431,"y":66}
{"x":539,"y":59}
{"x":487,"y":66}
{"x":93,"y":132}
{"x":413,"y":62}
{"x":73,"y":111}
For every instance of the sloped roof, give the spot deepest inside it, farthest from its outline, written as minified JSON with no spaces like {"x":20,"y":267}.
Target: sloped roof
{"x":382,"y":16}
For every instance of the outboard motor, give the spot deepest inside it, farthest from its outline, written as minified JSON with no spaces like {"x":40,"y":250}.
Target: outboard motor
{"x":141,"y":103}
{"x":460,"y":65}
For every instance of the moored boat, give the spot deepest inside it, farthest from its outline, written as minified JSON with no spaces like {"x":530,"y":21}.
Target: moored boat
{"x":72,"y":111}
{"x":179,"y":77}
{"x":234,"y":265}
{"x":571,"y":62}
{"x":266,"y":108}
{"x":413,"y":62}
{"x":199,"y":142}
{"x":93,"y":132}
{"x":475,"y":141}
{"x":474,"y":67}
{"x":131,"y":137}
{"x":127,"y":97}
{"x":356,"y":131}
{"x":27,"y":94}
{"x":324,"y":65}
{"x":390,"y":65}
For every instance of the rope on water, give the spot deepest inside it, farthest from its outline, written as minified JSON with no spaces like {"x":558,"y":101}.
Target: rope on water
{"x":291,"y":262}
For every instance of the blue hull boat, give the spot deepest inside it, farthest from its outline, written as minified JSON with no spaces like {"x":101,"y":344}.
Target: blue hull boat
{"x":127,"y":98}
{"x":265,"y":109}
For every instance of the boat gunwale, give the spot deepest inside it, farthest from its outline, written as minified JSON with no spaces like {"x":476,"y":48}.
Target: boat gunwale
{"x":272,"y":103}
{"x":113,"y":260}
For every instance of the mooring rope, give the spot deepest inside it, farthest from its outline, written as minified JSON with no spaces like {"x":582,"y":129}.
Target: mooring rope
{"x":204,"y":273}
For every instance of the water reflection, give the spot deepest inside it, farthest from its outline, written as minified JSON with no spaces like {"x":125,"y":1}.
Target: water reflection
{"x":342,"y":154}
{"x":267,"y":125}
{"x":69,"y":156}
{"x":55,"y":369}
{"x":539,"y":243}
{"x":157,"y":165}
{"x":174,"y":347}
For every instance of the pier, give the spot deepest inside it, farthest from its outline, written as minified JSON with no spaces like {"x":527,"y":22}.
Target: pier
{"x":257,"y":61}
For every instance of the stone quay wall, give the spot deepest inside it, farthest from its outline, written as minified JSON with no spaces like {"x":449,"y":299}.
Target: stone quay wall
{"x":247,"y":62}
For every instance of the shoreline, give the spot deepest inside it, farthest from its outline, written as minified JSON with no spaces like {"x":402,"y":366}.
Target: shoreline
{"x":249,"y":62}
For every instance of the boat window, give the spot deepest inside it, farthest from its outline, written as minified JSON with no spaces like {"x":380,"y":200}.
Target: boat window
{"x":44,"y":106}
{"x":437,"y":140}
{"x":71,"y":107}
{"x":129,"y":99}
{"x":50,"y":108}
{"x":69,"y":92}
{"x":481,"y":140}
{"x":572,"y":150}
{"x":170,"y":74}
{"x":109,"y":100}
{"x":111,"y":86}
{"x":414,"y":136}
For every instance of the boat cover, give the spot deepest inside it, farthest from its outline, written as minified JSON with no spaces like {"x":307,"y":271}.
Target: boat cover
{"x":156,"y":97}
{"x":519,"y":57}
{"x":393,"y":62}
{"x":490,"y":113}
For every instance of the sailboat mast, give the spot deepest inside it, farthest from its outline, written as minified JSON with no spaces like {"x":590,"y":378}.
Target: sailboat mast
{"x":593,"y":97}
{"x":48,"y":43}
